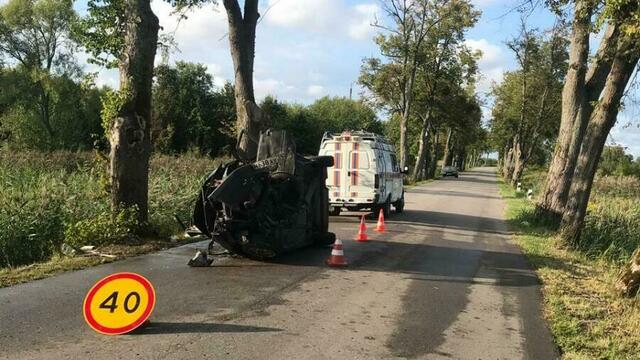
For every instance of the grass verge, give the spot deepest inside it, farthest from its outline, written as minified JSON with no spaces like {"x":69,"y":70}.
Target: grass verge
{"x":587,"y":319}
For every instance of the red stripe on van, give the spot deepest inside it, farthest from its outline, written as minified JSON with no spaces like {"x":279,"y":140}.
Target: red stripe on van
{"x":355,"y":159}
{"x":336,"y":178}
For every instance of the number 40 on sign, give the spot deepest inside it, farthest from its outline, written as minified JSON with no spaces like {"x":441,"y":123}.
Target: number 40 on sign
{"x":119,"y":303}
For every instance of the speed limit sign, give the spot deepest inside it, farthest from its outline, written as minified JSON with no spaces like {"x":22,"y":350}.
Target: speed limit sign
{"x":119,"y":303}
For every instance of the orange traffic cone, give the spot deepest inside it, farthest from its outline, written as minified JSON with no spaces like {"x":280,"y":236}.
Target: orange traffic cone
{"x":380,"y":227}
{"x":362,"y":235}
{"x":337,"y":255}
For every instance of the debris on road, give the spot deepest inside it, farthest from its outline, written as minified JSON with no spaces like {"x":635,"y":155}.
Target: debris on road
{"x":200,"y":260}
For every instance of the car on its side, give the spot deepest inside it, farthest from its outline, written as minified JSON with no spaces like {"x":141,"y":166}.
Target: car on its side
{"x":449,"y":171}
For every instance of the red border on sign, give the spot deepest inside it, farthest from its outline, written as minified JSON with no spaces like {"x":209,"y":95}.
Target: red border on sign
{"x":125,"y":329}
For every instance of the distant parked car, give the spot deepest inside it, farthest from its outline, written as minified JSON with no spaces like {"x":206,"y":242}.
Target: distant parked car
{"x":449,"y":171}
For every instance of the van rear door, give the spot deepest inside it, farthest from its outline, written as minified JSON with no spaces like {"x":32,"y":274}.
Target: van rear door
{"x":337,"y":175}
{"x":361,"y":177}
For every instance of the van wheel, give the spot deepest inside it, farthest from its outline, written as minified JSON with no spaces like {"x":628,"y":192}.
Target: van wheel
{"x":386,"y":209}
{"x":399,"y":205}
{"x":334,"y":211}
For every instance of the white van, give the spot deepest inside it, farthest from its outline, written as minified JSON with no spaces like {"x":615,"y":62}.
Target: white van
{"x":365,"y":173}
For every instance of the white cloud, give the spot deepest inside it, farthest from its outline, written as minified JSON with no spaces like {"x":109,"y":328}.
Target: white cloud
{"x":202,"y":27}
{"x":323,"y":16}
{"x":316,"y":90}
{"x":361,"y":27}
{"x":264,"y":87}
{"x":492,"y":64}
{"x":627,"y":134}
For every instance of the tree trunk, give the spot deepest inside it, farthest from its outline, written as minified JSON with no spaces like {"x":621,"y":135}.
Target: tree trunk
{"x":601,"y":122}
{"x":447,"y":151}
{"x":423,"y":142}
{"x":509,"y":160}
{"x":242,"y":43}
{"x":130,"y":130}
{"x":408,"y":96}
{"x":518,"y":164}
{"x":553,"y":196}
{"x":433,"y":161}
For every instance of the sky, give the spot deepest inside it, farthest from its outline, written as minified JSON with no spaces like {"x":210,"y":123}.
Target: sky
{"x":307,"y":49}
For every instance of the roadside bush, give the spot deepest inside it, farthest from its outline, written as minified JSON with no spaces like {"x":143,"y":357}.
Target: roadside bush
{"x":31,"y":217}
{"x":47,"y":199}
{"x":612,"y":228}
{"x":102,"y":229}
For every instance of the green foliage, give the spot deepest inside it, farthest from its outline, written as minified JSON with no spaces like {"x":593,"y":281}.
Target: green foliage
{"x":31,"y":217}
{"x":74,"y":112}
{"x":102,"y":31}
{"x":612,"y":224}
{"x":112,"y":103}
{"x":615,"y":161}
{"x":527,"y":103}
{"x":308,"y":124}
{"x":587,"y":319}
{"x":47,"y":199}
{"x":104,"y":228}
{"x":189,"y":113}
{"x":612,"y":228}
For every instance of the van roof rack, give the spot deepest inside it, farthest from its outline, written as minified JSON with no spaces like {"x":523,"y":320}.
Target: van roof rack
{"x":365,"y":135}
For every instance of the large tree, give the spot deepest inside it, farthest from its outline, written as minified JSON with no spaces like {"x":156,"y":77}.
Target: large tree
{"x":35,"y":35}
{"x":393,"y":82}
{"x":526,"y":108}
{"x":124,"y":33}
{"x":590,"y":101}
{"x":242,"y":41}
{"x":447,"y":66}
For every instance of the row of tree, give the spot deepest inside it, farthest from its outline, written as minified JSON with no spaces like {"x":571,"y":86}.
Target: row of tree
{"x":560,"y":105}
{"x":426,"y":81}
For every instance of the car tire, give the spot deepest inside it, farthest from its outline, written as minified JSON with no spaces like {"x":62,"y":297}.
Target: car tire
{"x":335,"y":212}
{"x":399,"y":205}
{"x":456,"y":176}
{"x":386,"y":209}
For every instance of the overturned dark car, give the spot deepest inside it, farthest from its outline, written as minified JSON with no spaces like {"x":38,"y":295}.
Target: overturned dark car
{"x":263,"y":208}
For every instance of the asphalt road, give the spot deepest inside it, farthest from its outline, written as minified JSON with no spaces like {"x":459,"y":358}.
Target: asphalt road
{"x":445,"y":282}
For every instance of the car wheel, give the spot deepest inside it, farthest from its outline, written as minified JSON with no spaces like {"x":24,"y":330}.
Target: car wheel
{"x":334,"y":211}
{"x":386,"y":210}
{"x":456,"y":176}
{"x":399,"y":205}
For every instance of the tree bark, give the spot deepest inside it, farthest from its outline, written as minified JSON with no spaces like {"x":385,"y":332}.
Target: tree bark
{"x":433,"y":161}
{"x":242,"y":43}
{"x":423,"y":142}
{"x":130,"y":130}
{"x":447,"y":150}
{"x":553,"y":196}
{"x":404,"y":145}
{"x":600,"y":124}
{"x":518,"y":164}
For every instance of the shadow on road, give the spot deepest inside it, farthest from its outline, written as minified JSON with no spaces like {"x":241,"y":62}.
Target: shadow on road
{"x":154,"y":328}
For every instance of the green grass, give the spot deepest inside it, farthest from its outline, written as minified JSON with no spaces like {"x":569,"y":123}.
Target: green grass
{"x":587,"y":319}
{"x":47,"y":199}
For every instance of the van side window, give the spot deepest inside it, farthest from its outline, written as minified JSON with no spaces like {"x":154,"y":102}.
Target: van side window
{"x":394,"y":163}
